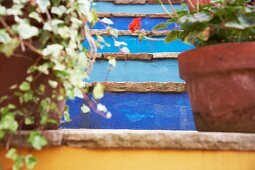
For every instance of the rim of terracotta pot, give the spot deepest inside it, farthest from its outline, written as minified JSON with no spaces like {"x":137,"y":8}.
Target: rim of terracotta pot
{"x":217,"y":58}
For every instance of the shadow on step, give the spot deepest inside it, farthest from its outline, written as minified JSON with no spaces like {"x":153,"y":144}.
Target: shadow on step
{"x":147,"y":111}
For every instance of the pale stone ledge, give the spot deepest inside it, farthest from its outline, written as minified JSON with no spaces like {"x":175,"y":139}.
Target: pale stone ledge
{"x":142,"y":139}
{"x":139,"y":56}
{"x":139,"y":1}
{"x":156,"y":15}
{"x":120,"y":56}
{"x":160,"y":87}
{"x":126,"y":32}
{"x":165,"y":55}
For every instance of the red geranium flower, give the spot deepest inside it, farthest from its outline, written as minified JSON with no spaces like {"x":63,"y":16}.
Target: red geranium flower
{"x":135,"y":25}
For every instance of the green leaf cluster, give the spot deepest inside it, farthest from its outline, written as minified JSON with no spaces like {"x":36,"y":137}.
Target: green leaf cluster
{"x":53,"y":31}
{"x":222,"y":21}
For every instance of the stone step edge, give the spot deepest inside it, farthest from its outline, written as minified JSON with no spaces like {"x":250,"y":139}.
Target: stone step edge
{"x":141,"y":139}
{"x":138,"y":56}
{"x":142,"y":87}
{"x":126,"y":32}
{"x":139,"y":1}
{"x":122,"y":14}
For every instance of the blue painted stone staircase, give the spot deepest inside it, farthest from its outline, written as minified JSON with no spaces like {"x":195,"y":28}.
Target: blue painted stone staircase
{"x":158,"y":103}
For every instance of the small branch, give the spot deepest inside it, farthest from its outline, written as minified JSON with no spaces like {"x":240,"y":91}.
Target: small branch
{"x":48,"y":14}
{"x":171,"y":6}
{"x":8,"y":142}
{"x":21,"y":56}
{"x":164,"y":8}
{"x":108,"y":72}
{"x":192,"y":5}
{"x":6,"y":26}
{"x":91,"y":105}
{"x":22,"y":45}
{"x":32,"y":48}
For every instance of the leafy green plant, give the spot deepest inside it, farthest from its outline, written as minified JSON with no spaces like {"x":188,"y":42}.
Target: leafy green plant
{"x":53,"y":30}
{"x":221,"y":21}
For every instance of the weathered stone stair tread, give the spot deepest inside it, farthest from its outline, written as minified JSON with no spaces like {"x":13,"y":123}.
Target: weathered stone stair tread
{"x":127,"y":14}
{"x":139,"y":1}
{"x":139,"y":56}
{"x":127,"y":9}
{"x":126,"y":32}
{"x":142,"y":139}
{"x":143,"y":87}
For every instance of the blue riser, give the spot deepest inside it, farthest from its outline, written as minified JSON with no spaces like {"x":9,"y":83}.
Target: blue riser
{"x":150,"y":111}
{"x":146,"y":23}
{"x":137,"y":71}
{"x":144,"y":46}
{"x":134,"y":8}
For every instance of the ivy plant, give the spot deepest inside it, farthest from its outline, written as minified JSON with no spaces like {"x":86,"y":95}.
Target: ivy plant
{"x":53,"y":30}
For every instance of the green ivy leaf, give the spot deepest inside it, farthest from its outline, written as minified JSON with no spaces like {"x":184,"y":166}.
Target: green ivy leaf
{"x":160,"y":26}
{"x":43,"y":4}
{"x":2,"y":134}
{"x":53,"y":84}
{"x":35,"y":16}
{"x":29,"y":78}
{"x":9,"y":47}
{"x":54,"y":50}
{"x":112,"y":62}
{"x":30,"y":161}
{"x":27,"y":31}
{"x":191,"y":37}
{"x":60,"y":10}
{"x":125,"y":50}
{"x":18,"y":163}
{"x":94,"y":17}
{"x":3,"y":98}
{"x":101,"y":108}
{"x":29,"y":121}
{"x":173,"y":35}
{"x":67,"y":117}
{"x":44,"y":118}
{"x":25,"y":86}
{"x":44,"y":68}
{"x":8,"y":122}
{"x":2,"y":10}
{"x":98,"y":91}
{"x":85,"y":109}
{"x":114,"y":32}
{"x":107,"y":21}
{"x":4,"y":36}
{"x":37,"y":140}
{"x":12,"y":154}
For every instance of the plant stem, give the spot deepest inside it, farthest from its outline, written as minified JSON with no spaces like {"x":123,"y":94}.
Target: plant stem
{"x":171,"y":6}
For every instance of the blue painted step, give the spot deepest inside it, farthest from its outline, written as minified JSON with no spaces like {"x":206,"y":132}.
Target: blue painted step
{"x":109,"y":7}
{"x":137,"y":71}
{"x":144,"y":46}
{"x":121,"y":23}
{"x":148,"y":111}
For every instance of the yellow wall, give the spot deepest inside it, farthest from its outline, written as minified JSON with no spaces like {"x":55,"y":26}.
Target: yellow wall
{"x":67,"y":158}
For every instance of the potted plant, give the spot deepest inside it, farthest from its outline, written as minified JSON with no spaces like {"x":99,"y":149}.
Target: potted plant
{"x":42,"y":62}
{"x":220,"y":72}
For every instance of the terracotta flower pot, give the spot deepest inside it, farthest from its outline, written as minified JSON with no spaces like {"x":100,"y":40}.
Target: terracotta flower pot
{"x":221,"y":86}
{"x":192,"y":4}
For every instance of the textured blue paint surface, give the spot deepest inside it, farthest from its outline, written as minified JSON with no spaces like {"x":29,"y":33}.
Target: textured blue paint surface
{"x":134,"y":8}
{"x":137,"y":71}
{"x":121,"y":23}
{"x":150,"y":111}
{"x":144,"y":46}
